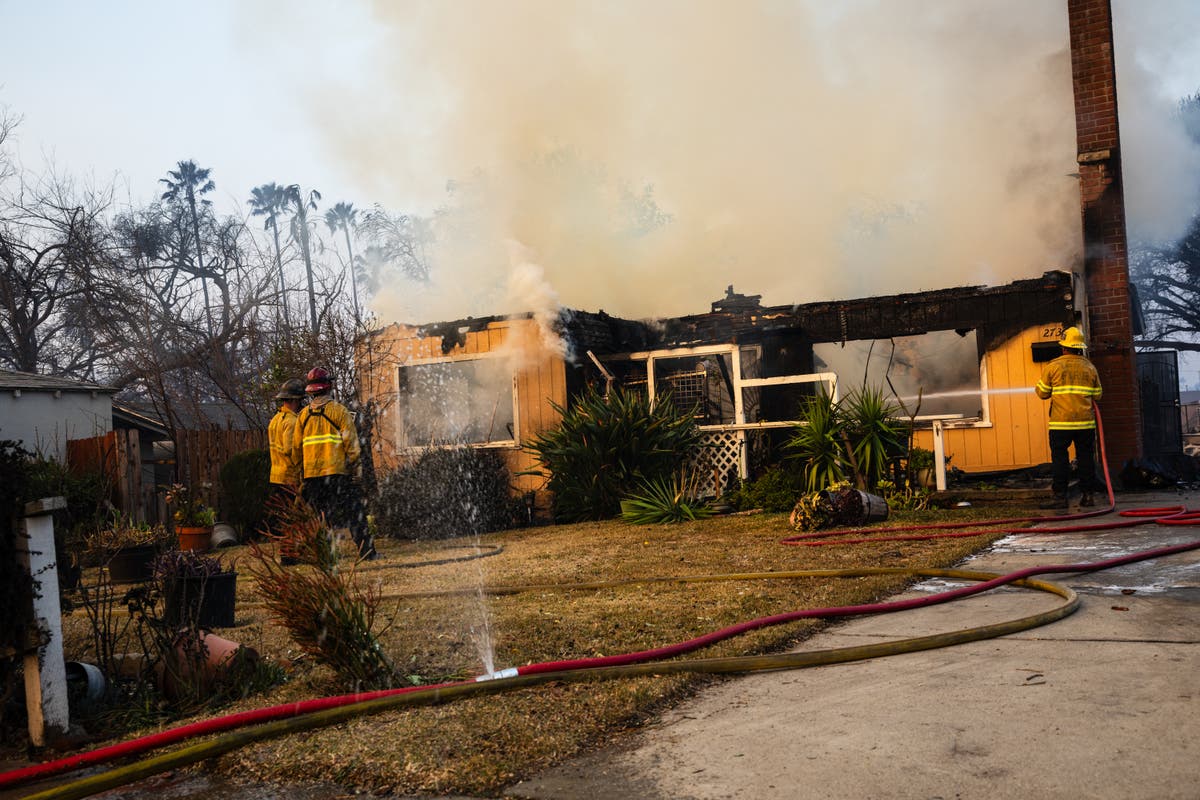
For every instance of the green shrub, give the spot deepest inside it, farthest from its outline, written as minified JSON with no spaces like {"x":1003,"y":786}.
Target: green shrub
{"x":245,"y":489}
{"x":605,"y":448}
{"x":873,"y":428}
{"x":448,"y":491}
{"x":776,"y":489}
{"x":14,"y":581}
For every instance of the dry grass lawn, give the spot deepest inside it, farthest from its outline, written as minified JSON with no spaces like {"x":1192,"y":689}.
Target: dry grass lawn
{"x":481,"y":744}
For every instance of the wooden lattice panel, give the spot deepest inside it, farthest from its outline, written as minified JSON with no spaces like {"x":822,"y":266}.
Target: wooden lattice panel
{"x":719,"y":460}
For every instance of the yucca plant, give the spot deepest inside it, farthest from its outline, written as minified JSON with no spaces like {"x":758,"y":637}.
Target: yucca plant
{"x":818,"y":442}
{"x":666,"y":499}
{"x":872,"y":426}
{"x":605,"y":447}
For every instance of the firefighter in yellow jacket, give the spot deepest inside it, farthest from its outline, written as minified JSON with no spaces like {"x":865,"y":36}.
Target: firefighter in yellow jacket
{"x":326,"y":444}
{"x":286,"y":469}
{"x":1071,"y":384}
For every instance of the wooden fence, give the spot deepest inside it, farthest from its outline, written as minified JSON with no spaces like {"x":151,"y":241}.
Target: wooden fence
{"x":118,"y":455}
{"x":199,"y":455}
{"x":1189,"y":416}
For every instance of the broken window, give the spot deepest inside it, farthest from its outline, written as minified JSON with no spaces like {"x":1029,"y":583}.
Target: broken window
{"x":935,"y":374}
{"x":701,"y":383}
{"x":700,"y":380}
{"x":456,"y":402}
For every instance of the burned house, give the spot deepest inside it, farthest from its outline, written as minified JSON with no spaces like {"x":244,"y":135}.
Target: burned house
{"x":960,"y":362}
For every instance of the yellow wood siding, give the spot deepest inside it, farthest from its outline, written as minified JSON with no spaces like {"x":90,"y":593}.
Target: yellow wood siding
{"x":1016,"y":437}
{"x":539,"y":381}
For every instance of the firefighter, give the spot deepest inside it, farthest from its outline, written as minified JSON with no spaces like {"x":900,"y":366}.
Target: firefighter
{"x":1071,"y":384}
{"x":286,"y":469}
{"x":326,"y":444}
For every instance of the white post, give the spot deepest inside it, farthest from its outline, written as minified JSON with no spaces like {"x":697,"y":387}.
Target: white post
{"x":45,"y":669}
{"x":939,"y":454}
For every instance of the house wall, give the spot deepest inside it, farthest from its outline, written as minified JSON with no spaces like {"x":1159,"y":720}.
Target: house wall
{"x":44,"y":420}
{"x":1017,"y":436}
{"x":539,"y":370}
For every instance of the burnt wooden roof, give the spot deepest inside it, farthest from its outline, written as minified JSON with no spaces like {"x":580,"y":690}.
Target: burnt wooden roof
{"x":997,"y":312}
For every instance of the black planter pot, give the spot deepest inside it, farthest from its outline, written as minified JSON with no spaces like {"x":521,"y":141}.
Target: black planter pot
{"x":132,"y":564}
{"x":204,"y":602}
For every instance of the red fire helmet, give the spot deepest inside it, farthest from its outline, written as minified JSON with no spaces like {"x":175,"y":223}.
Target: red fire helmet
{"x":319,"y":380}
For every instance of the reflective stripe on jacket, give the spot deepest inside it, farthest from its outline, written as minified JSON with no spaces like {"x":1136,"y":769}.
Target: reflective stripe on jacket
{"x":326,"y":441}
{"x":1070,"y":383}
{"x":285,"y":467}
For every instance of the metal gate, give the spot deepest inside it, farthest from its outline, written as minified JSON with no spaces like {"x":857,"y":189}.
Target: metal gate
{"x":1158,"y":382}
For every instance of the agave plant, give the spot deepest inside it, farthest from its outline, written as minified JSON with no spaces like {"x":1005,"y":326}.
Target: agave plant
{"x":663,"y":499}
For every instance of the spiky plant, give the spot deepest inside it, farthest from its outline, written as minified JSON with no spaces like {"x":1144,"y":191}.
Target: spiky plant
{"x":326,"y":610}
{"x":817,"y":441}
{"x":666,"y":499}
{"x":604,"y":448}
{"x":872,"y":426}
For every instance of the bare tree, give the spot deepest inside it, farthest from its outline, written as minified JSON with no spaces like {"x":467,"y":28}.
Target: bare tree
{"x":400,"y":241}
{"x":53,"y":247}
{"x":1168,"y":276}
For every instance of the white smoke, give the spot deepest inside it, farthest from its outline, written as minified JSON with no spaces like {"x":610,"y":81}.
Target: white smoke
{"x":805,"y":151}
{"x":1155,"y":43}
{"x":802,"y":150}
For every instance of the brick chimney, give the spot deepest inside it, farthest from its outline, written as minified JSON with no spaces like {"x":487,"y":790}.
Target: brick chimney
{"x":1106,"y":265}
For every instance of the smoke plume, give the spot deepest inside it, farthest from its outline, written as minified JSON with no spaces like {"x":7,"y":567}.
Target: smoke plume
{"x":646,"y":155}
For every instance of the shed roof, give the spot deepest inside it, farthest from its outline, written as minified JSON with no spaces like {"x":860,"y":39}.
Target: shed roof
{"x":31,"y":382}
{"x":130,"y":417}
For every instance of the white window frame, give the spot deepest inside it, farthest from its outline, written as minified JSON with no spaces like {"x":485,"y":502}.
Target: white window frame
{"x":496,"y":444}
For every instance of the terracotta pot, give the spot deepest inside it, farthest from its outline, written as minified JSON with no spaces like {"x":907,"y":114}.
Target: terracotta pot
{"x":190,"y":667}
{"x":194,"y":538}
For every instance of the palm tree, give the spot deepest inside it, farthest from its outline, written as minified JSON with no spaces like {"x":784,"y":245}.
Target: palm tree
{"x":300,"y":205}
{"x":188,"y":183}
{"x":345,"y":216}
{"x":268,"y":201}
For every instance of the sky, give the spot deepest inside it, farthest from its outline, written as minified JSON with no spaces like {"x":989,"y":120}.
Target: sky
{"x":802,"y":150}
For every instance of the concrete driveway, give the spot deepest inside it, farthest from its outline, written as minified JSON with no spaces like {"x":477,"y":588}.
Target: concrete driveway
{"x":1102,"y":704}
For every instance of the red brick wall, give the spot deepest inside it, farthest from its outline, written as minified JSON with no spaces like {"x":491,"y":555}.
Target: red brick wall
{"x":1106,"y":266}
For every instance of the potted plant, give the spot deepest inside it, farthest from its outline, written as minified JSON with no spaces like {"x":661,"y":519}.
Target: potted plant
{"x":194,"y":519}
{"x":198,"y":590}
{"x":920,"y":467}
{"x":127,"y":548}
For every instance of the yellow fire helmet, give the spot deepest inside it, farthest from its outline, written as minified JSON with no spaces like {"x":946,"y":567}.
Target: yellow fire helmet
{"x":1073,"y":338}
